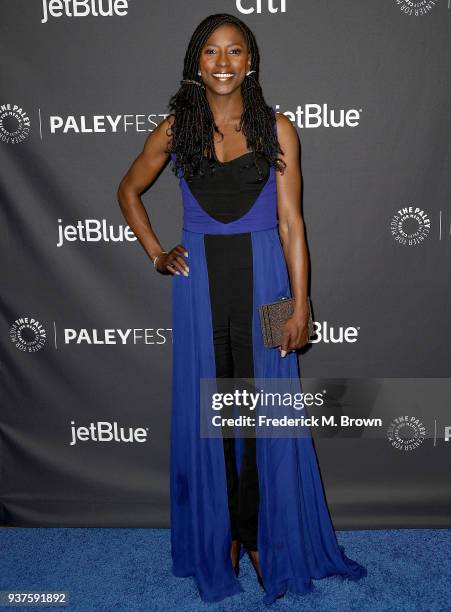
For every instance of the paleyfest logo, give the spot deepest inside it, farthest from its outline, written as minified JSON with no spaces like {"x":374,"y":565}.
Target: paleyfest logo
{"x":15,"y":124}
{"x":417,"y":8}
{"x":406,"y":433}
{"x":28,"y":334}
{"x":410,"y":225}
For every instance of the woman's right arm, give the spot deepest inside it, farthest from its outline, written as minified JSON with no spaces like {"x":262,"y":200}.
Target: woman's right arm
{"x":138,"y":178}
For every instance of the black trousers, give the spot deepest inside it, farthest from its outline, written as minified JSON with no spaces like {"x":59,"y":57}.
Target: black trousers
{"x":229,"y":264}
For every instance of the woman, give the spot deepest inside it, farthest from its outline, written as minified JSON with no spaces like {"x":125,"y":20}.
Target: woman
{"x":263,"y":495}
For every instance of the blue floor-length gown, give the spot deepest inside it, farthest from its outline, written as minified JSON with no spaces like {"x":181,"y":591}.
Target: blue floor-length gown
{"x":296,"y":539}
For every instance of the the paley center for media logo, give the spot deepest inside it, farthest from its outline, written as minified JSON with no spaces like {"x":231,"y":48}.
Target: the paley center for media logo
{"x":15,"y":124}
{"x":410,"y":225}
{"x":28,"y":334}
{"x":406,"y":433}
{"x":416,"y":8}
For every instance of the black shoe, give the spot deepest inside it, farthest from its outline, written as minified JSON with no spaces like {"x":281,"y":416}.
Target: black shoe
{"x":259,"y":578}
{"x":236,"y":567}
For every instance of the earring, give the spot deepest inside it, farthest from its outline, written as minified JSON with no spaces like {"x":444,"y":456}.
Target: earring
{"x":199,"y":72}
{"x":250,"y":72}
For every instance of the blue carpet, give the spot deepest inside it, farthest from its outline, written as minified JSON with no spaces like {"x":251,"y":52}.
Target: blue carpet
{"x":130,"y":569}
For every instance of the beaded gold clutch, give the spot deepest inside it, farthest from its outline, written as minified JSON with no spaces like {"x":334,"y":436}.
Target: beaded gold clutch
{"x":273,"y":316}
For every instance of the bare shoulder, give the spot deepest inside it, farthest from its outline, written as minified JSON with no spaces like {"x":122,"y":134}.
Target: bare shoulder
{"x":159,"y":140}
{"x":287,"y":134}
{"x":283,"y":121}
{"x":169,"y":120}
{"x":285,"y":127}
{"x":164,"y":127}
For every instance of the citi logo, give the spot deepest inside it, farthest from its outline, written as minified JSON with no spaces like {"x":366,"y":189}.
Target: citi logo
{"x":103,"y":431}
{"x":83,"y":8}
{"x":334,"y":335}
{"x":93,"y":230}
{"x":272,"y":6}
{"x":320,"y":115}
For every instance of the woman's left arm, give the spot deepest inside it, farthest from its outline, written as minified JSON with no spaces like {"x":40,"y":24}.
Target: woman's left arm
{"x":292,"y":235}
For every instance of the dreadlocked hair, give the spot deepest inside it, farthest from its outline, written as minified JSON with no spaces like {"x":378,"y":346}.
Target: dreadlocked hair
{"x":193,"y":127}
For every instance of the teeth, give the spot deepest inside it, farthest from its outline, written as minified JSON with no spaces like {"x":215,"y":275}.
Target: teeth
{"x":221,"y":75}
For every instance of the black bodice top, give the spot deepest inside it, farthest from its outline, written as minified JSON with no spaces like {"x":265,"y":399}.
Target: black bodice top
{"x":228,"y":190}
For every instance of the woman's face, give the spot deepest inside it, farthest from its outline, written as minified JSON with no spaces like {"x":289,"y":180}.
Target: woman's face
{"x":225,"y":52}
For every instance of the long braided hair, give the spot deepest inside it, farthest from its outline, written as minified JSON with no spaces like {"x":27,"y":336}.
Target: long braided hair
{"x":194,"y":126}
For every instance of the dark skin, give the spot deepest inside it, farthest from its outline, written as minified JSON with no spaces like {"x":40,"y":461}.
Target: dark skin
{"x":226,"y":51}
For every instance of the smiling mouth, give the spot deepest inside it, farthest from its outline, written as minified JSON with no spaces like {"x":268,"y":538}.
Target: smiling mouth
{"x":223,"y":76}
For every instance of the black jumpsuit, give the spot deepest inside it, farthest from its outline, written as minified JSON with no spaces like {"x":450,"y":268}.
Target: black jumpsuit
{"x":226,"y":193}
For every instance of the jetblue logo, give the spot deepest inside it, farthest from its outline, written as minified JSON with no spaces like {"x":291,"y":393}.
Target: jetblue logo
{"x":83,"y":8}
{"x":103,"y":431}
{"x":320,"y":115}
{"x":334,"y":335}
{"x":93,"y":230}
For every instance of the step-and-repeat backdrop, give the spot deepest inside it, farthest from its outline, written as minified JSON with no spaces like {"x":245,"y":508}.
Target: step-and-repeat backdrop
{"x":86,"y":320}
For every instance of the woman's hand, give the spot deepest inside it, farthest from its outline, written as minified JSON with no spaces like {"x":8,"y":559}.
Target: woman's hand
{"x":173,"y":262}
{"x":295,"y":331}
